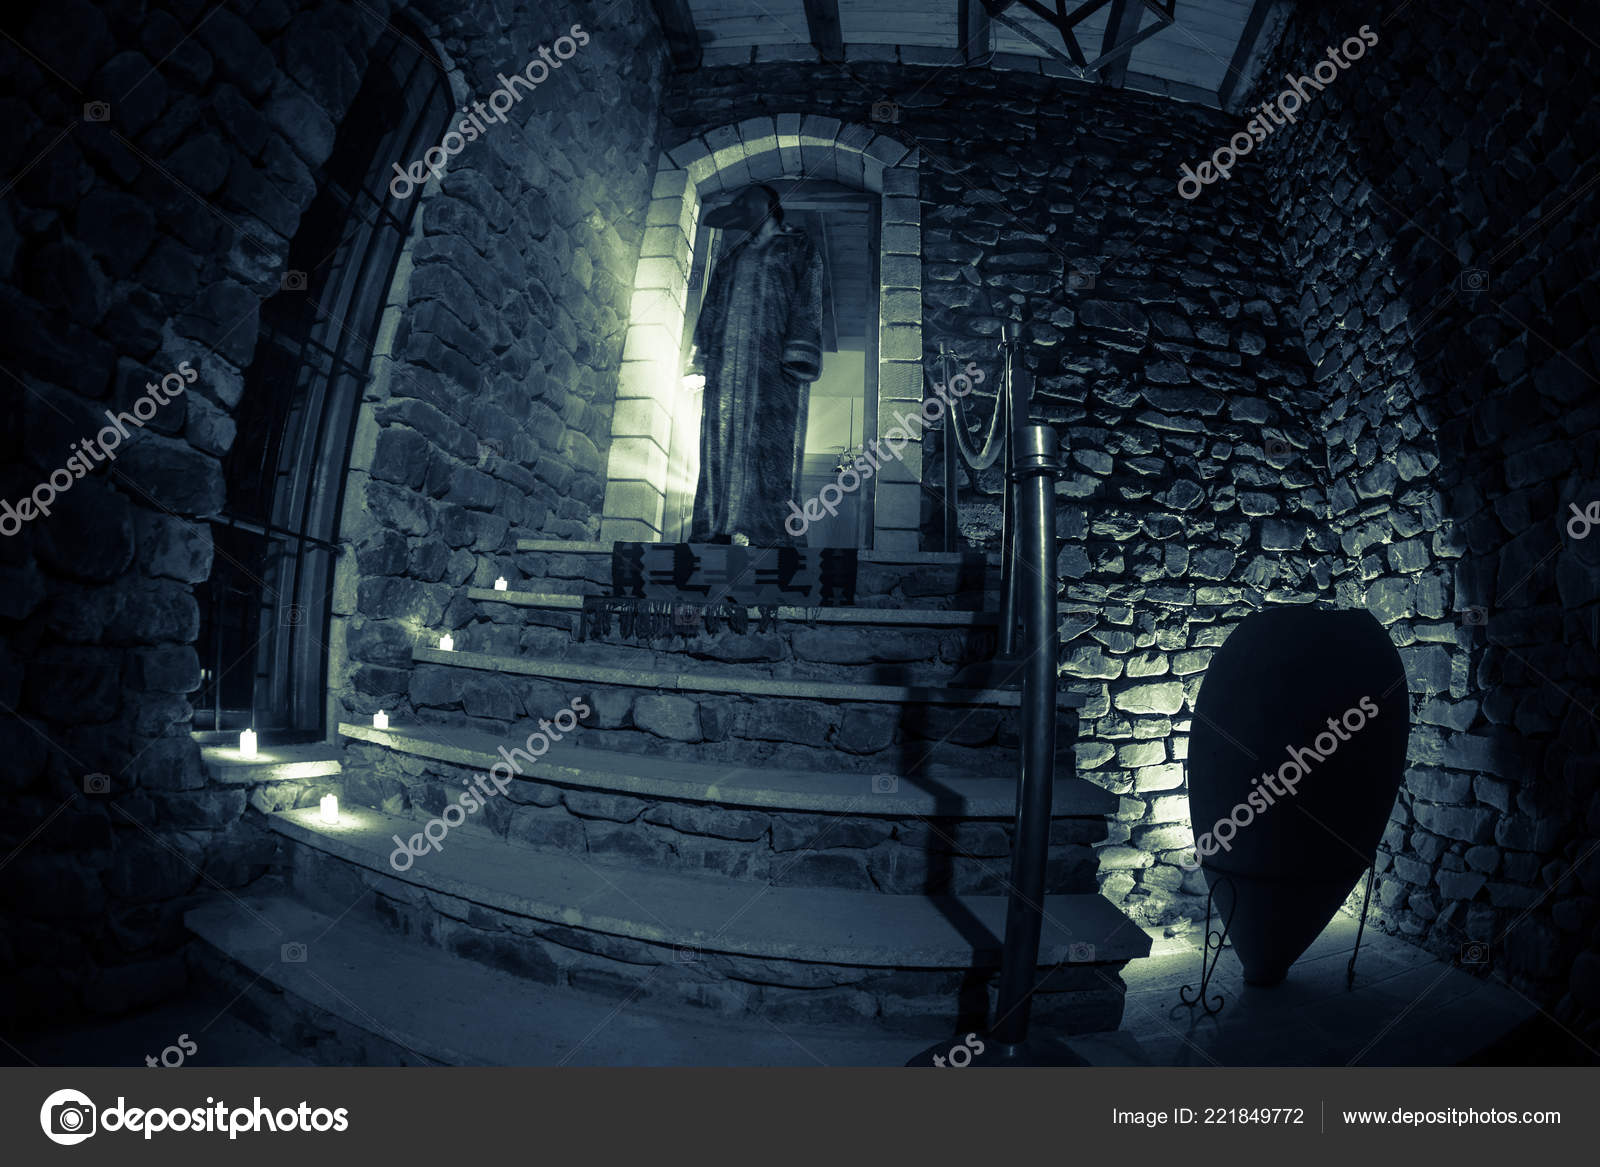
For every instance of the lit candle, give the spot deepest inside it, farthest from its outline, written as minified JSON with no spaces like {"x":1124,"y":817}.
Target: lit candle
{"x":247,"y":743}
{"x":500,"y":584}
{"x":380,"y":720}
{"x":447,"y":643}
{"x":330,"y":808}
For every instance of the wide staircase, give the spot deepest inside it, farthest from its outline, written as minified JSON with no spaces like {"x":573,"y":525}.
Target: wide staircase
{"x":798,"y":822}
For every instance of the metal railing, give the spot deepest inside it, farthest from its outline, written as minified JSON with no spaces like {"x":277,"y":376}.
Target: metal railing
{"x":1027,"y":651}
{"x":1007,"y":425}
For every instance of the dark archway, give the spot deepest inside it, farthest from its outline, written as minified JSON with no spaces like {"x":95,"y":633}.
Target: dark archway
{"x":265,"y":610}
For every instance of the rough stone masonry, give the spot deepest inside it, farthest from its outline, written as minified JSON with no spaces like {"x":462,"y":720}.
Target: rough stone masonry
{"x":1360,"y":372}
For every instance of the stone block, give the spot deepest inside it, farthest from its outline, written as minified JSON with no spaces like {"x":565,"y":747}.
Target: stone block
{"x":668,"y":716}
{"x":1160,"y":697}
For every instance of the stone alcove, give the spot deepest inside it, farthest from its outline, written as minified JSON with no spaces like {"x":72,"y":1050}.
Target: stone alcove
{"x":788,"y":145}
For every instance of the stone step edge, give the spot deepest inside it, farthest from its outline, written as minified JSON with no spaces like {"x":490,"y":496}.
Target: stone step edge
{"x":765,"y":788}
{"x":249,"y":930}
{"x":738,"y":686}
{"x":423,"y":1000}
{"x":573,"y":601}
{"x":271,"y":763}
{"x":863,"y":555}
{"x":856,"y":929}
{"x":951,"y":617}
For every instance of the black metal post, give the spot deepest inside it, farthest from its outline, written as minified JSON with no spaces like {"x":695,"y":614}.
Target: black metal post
{"x":216,"y":639}
{"x":1028,"y":586}
{"x":1036,"y":470}
{"x":1008,"y":507}
{"x":948,"y":450}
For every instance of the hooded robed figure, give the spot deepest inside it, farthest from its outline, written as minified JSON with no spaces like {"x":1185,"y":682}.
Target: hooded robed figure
{"x":758,"y":342}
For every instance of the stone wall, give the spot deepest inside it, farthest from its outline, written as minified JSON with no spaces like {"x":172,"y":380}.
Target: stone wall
{"x":161,"y":164}
{"x":1439,"y":233}
{"x":490,"y":421}
{"x":1285,"y":390}
{"x":1156,"y":331}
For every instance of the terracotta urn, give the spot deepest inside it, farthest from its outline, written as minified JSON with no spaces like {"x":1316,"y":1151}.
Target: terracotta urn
{"x":1296,"y":753}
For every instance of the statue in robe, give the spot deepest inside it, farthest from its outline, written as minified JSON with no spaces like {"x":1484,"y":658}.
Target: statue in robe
{"x":758,"y":343}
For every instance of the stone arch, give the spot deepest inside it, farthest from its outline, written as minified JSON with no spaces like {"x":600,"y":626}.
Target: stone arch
{"x":356,"y":521}
{"x":789,"y":145}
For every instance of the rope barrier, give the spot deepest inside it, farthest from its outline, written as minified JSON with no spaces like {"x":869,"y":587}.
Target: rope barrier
{"x":993,"y":446}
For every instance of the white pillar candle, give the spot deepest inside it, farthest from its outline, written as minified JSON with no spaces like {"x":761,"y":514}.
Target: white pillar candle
{"x":380,"y":720}
{"x":330,"y":808}
{"x":500,"y":584}
{"x":247,"y":743}
{"x":447,"y":643}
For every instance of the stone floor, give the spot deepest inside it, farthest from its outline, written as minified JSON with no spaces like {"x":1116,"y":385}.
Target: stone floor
{"x":218,"y":1040}
{"x":1407,"y":1008}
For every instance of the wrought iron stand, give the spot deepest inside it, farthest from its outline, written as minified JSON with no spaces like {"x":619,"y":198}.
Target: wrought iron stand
{"x":1216,"y":941}
{"x":1210,"y":954}
{"x":1350,"y":970}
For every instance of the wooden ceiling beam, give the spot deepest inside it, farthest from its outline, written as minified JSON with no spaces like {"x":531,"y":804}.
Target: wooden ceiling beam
{"x":827,"y":35}
{"x":976,"y":32}
{"x":683,"y":39}
{"x":1121,"y":26}
{"x":1243,"y":52}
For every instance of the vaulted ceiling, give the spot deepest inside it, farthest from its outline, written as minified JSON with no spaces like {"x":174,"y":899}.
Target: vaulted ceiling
{"x":1203,"y":54}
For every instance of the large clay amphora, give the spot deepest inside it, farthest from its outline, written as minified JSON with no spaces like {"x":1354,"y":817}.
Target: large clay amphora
{"x":1297,"y":750}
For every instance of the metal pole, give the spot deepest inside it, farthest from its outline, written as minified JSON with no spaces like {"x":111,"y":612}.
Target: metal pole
{"x":949,"y":452}
{"x":1008,"y":510}
{"x":216,"y":640}
{"x":1036,"y":459}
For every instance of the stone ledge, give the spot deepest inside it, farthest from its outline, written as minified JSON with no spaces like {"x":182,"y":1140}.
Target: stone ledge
{"x":934,"y":617}
{"x":559,"y":670}
{"x":711,"y":915}
{"x":807,"y":791}
{"x":271,"y":764}
{"x":931,"y":558}
{"x":939,"y":617}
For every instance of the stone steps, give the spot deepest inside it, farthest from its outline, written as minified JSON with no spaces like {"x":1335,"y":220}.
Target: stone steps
{"x":296,"y":763}
{"x":811,"y":824}
{"x":937,"y":832}
{"x":279,"y":777}
{"x":716,"y":677}
{"x":554,"y":604}
{"x":928,"y":617}
{"x":359,"y":998}
{"x":923,"y":645}
{"x":712,"y":713}
{"x":906,"y":579}
{"x":790,"y":649}
{"x":938,"y":792}
{"x":885,"y":640}
{"x":913,"y":964}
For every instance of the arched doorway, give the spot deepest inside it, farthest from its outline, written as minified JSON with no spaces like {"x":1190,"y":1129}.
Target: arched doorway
{"x":809,"y":158}
{"x":267,"y":608}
